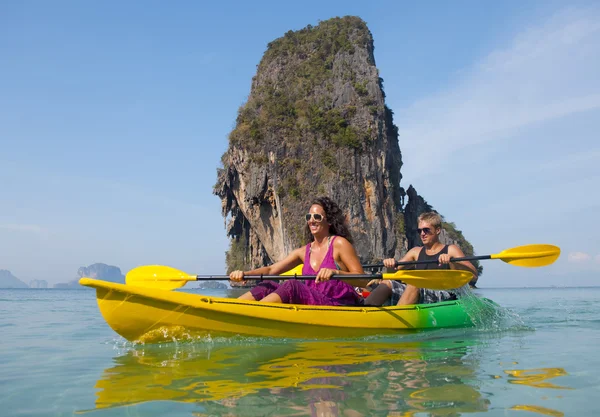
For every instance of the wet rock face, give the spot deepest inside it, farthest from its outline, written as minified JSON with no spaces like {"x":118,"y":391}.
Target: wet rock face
{"x":315,"y":124}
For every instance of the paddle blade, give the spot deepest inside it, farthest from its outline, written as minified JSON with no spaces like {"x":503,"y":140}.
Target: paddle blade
{"x":530,"y":256}
{"x":157,"y":276}
{"x":435,"y":279}
{"x":294,"y":271}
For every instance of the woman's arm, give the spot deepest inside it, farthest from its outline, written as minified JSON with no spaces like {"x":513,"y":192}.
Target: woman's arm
{"x":295,"y":258}
{"x":345,"y":254}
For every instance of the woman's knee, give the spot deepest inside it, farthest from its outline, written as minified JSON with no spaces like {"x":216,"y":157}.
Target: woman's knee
{"x":247,"y":296}
{"x":289,"y":291}
{"x":291,"y":284}
{"x":262,"y":289}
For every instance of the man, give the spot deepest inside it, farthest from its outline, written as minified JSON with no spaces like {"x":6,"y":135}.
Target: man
{"x":429,"y":228}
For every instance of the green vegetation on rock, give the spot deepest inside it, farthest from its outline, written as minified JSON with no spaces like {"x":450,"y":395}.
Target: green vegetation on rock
{"x":292,"y":92}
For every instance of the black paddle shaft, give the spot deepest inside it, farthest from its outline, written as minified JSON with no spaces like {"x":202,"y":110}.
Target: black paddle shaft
{"x":282,"y":277}
{"x":433,"y":261}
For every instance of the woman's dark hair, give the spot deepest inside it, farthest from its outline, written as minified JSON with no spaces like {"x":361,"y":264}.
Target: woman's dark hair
{"x":333,"y":216}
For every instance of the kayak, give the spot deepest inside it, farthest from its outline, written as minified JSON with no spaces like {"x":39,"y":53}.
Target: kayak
{"x":152,"y":315}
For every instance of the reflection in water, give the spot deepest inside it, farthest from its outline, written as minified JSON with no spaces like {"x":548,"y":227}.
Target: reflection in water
{"x":538,"y":409}
{"x":536,"y":377}
{"x":298,"y":378}
{"x":318,"y":378}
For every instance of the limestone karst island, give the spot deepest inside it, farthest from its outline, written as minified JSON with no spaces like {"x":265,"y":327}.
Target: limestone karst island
{"x":316,"y":123}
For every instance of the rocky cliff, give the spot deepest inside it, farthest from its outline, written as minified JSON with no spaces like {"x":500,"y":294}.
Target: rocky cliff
{"x":315,"y":123}
{"x":8,"y":280}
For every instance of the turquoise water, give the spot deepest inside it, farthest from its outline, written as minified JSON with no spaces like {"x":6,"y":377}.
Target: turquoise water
{"x":537,"y":355}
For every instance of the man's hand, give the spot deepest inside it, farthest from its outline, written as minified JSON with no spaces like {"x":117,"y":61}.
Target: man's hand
{"x":389,"y":263}
{"x":444,"y":259}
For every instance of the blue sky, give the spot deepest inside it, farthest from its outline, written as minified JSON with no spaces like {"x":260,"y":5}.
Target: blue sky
{"x":114,"y":116}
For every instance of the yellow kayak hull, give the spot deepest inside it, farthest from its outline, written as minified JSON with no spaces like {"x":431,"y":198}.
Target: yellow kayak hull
{"x":154,"y":315}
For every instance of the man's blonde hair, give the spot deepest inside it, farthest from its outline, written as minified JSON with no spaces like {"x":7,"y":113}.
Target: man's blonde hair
{"x":432,"y":218}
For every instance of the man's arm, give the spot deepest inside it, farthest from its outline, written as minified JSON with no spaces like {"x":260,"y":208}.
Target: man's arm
{"x":455,"y":252}
{"x":411,"y":256}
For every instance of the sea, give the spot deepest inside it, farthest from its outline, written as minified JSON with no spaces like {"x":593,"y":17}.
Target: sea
{"x":536,"y":354}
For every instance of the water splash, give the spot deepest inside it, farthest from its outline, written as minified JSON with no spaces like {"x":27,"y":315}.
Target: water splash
{"x":486,"y":315}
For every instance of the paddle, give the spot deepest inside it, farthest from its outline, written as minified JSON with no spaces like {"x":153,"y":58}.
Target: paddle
{"x":530,"y":256}
{"x":167,"y":278}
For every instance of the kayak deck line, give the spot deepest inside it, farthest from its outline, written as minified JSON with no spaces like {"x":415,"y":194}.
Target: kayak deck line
{"x":299,"y":307}
{"x":90,"y":282}
{"x":134,"y":312}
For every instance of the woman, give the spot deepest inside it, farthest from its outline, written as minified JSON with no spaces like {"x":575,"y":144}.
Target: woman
{"x":329,"y":253}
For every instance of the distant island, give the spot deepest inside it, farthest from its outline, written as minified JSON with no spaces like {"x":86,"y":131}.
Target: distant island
{"x":8,"y":280}
{"x":97,"y":271}
{"x":38,"y":283}
{"x":212,"y":285}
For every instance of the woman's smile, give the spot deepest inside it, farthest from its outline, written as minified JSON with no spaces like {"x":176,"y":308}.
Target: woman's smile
{"x":314,"y":226}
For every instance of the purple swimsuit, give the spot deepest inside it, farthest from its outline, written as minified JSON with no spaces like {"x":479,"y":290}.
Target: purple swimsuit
{"x":309,"y":292}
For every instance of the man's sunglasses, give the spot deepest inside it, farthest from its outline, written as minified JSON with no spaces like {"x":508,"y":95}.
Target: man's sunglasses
{"x":315,"y":216}
{"x":425,"y":230}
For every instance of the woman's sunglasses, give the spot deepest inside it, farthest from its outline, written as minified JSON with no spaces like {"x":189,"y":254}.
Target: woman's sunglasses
{"x":425,"y":230}
{"x":315,"y":216}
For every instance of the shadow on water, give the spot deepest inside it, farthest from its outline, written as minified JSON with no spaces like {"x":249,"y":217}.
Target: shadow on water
{"x":249,"y":377}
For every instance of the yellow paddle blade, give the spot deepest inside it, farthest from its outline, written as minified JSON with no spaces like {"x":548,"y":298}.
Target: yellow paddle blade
{"x":157,"y":276}
{"x":529,"y":255}
{"x":435,"y":279}
{"x":294,"y":271}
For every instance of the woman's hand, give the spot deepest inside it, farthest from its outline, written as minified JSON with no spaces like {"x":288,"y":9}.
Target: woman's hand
{"x":325,"y":274}
{"x":389,"y":263}
{"x":237,"y":276}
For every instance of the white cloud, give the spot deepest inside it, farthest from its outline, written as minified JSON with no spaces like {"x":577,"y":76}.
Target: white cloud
{"x":579,"y":257}
{"x":549,"y":71}
{"x":29,"y":228}
{"x":597,"y":259}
